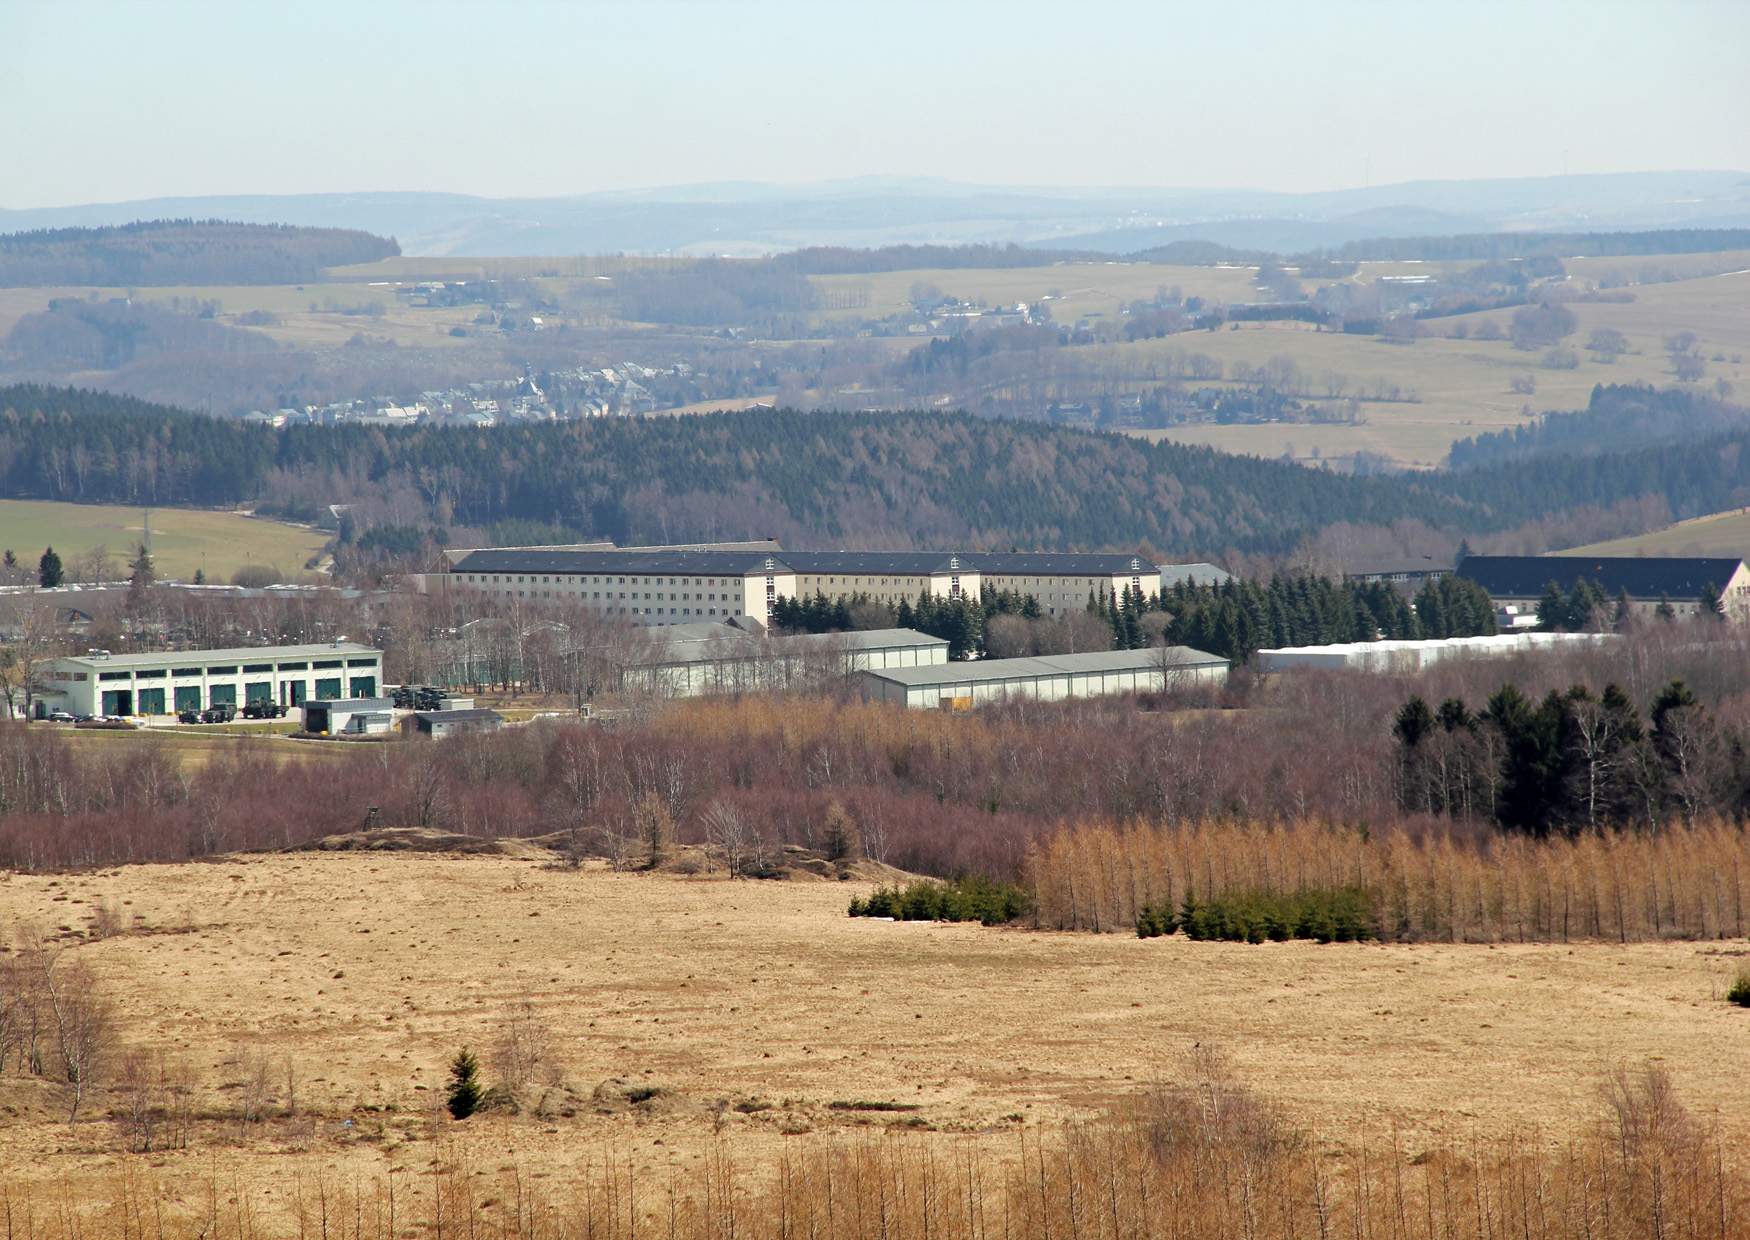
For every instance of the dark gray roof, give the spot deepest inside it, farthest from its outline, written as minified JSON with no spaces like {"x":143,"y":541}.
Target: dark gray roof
{"x":812,"y":563}
{"x":475,"y":715}
{"x":697,"y":563}
{"x":1061,"y":563}
{"x":1643,"y":577}
{"x":902,"y":563}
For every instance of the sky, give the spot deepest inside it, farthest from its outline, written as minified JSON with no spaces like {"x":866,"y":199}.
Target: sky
{"x":109,"y":101}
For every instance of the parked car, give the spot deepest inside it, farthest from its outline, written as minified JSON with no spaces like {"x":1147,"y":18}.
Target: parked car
{"x":188,"y":716}
{"x":60,"y":716}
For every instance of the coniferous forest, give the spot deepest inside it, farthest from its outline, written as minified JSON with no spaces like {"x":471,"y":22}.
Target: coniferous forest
{"x":164,"y":252}
{"x":879,"y":480}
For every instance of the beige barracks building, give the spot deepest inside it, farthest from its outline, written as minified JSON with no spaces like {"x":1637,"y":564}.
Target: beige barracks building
{"x":683,"y":586}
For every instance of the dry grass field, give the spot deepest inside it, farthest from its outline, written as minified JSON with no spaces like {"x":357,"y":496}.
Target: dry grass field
{"x":1721,"y":533}
{"x":1077,"y":289}
{"x":684,"y":1009}
{"x":183,"y":539}
{"x":1465,"y":385}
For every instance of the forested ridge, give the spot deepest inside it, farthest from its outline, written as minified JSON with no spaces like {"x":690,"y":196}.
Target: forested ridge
{"x":165,"y":252}
{"x":868,"y":479}
{"x":1617,"y":417}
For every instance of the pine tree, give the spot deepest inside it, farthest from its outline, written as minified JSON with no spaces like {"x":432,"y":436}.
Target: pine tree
{"x":465,"y":1090}
{"x":140,"y":579}
{"x":1712,"y":606}
{"x":48,"y":570}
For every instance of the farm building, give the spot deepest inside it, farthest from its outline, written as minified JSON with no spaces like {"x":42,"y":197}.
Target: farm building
{"x":440,"y":723}
{"x":734,"y":658}
{"x":349,"y":716}
{"x":1647,"y":580}
{"x":1049,"y":677}
{"x":1410,"y":656}
{"x":168,"y":682}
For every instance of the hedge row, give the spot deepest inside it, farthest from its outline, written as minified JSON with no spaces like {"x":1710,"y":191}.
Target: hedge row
{"x":964,"y":899}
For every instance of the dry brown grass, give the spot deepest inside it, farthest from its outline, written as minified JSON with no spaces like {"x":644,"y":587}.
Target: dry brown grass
{"x":750,"y":1008}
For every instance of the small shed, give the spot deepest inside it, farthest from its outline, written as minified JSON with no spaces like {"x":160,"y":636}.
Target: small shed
{"x":349,"y":717}
{"x":436,"y":723}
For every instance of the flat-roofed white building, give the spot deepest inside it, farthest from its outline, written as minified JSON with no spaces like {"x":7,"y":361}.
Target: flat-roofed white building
{"x":723,"y":659}
{"x":167,"y":682}
{"x":1046,"y":677}
{"x":1403,"y":655}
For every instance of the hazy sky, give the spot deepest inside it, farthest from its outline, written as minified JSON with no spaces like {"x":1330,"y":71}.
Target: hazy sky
{"x":110,"y":101}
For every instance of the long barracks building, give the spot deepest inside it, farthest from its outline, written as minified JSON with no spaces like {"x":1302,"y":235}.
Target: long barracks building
{"x":680,"y":586}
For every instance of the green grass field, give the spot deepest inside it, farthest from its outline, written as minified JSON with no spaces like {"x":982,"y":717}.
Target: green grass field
{"x":1723,"y":533}
{"x":182,"y":539}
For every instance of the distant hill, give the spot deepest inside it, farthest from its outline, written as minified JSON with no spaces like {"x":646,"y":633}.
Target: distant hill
{"x":744,"y":218}
{"x":879,"y":480}
{"x":182,"y":251}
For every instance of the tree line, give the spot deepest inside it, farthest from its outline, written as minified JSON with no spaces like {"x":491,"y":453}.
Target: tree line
{"x":1573,"y":760}
{"x":1622,"y":416}
{"x":185,"y":251}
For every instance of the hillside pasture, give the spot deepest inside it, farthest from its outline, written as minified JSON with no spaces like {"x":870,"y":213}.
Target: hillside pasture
{"x":183,"y":539}
{"x":1720,"y":534}
{"x":1465,"y":385}
{"x":1077,"y":289}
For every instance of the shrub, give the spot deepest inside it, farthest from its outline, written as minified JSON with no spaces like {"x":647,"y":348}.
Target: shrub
{"x":465,"y":1094}
{"x":256,"y":577}
{"x":1154,"y":920}
{"x":1326,"y":914}
{"x":1740,"y":991}
{"x":964,"y":899}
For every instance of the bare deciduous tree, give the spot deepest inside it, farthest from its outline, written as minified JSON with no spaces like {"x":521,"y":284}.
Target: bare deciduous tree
{"x":81,"y":1021}
{"x":523,"y":1053}
{"x":727,"y":830}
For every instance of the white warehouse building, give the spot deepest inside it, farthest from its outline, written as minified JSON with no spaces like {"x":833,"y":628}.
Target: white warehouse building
{"x":167,"y":682}
{"x":1047,"y":677}
{"x":1410,"y":656}
{"x":717,"y":658}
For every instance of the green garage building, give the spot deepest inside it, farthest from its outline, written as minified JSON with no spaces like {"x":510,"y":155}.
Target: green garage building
{"x":168,"y":682}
